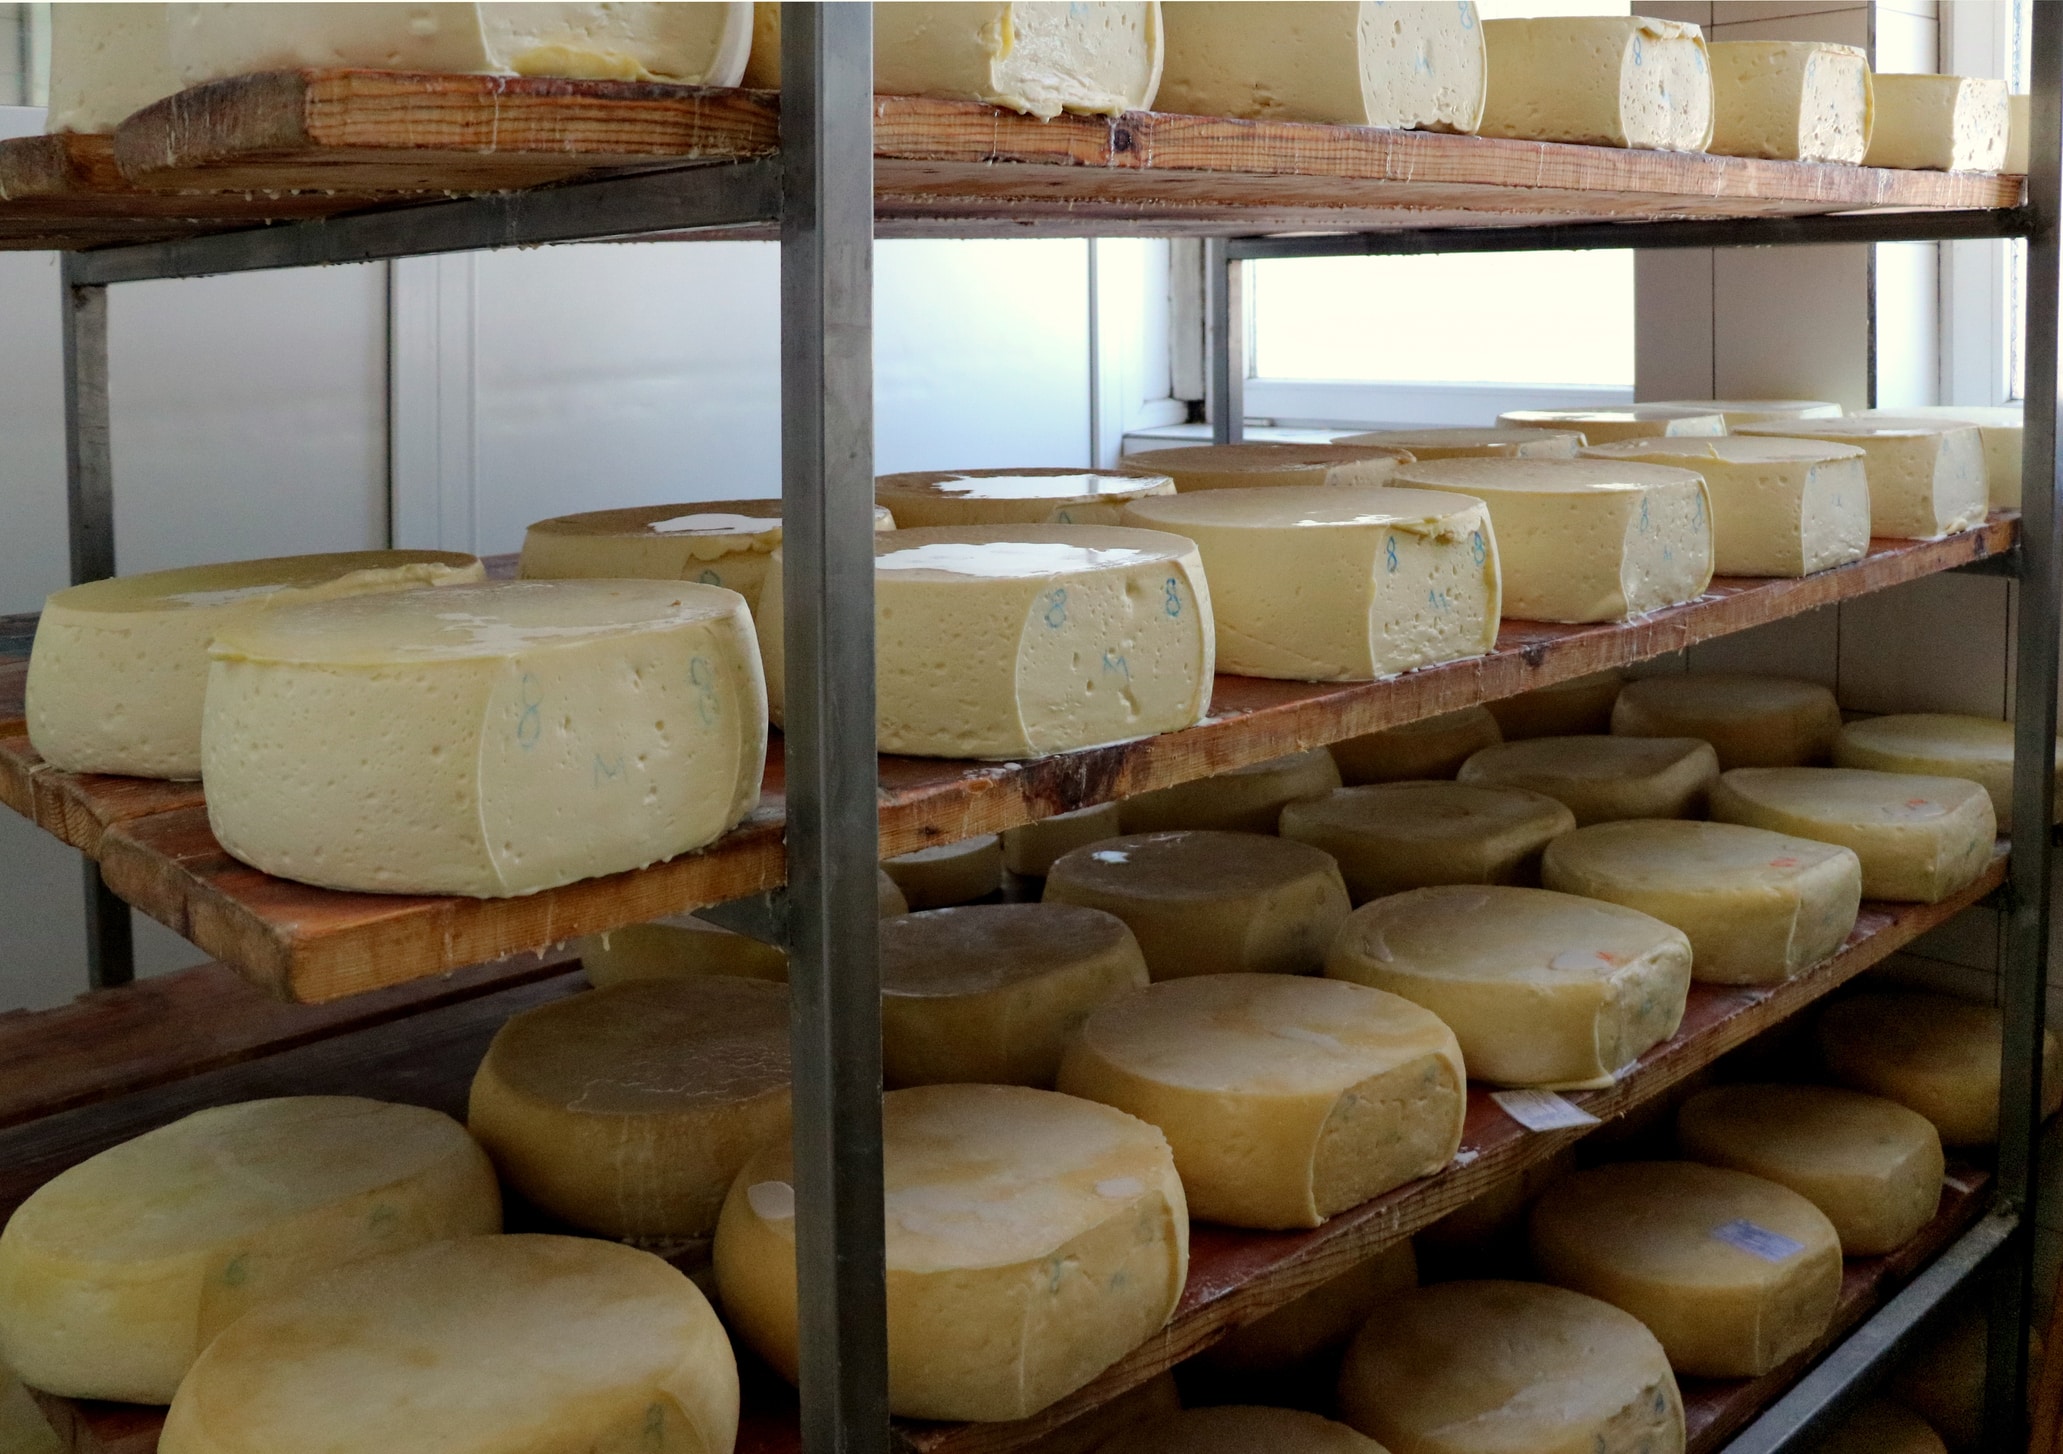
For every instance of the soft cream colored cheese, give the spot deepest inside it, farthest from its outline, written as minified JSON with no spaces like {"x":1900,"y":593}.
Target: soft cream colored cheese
{"x":1600,"y":80}
{"x":1500,"y":443}
{"x":1927,"y":478}
{"x":1939,"y":123}
{"x":1578,"y":707}
{"x":1633,"y":421}
{"x":1325,"y":1317}
{"x":1780,"y":507}
{"x":1087,"y":1433}
{"x":949,"y":873}
{"x":1920,"y":838}
{"x":1930,"y":1053}
{"x":1033,"y":1239}
{"x":1012,"y":641}
{"x":1732,"y":1274}
{"x":1320,"y":583}
{"x":2019,"y":126}
{"x":1751,"y":721}
{"x":1205,"y":902}
{"x":1999,"y":426}
{"x":1286,"y":1099}
{"x":1584,"y":539}
{"x":1790,"y":100}
{"x":1043,"y":59}
{"x":1013,"y":497}
{"x":1251,"y":466}
{"x":678,"y":947}
{"x":1242,"y":1429}
{"x":484,"y":740}
{"x":106,"y":63}
{"x":1403,"y":66}
{"x":992,"y":992}
{"x":1870,"y":1164}
{"x":1432,"y":747}
{"x":489,"y":1345}
{"x":1939,"y":744}
{"x":1542,"y":989}
{"x":1389,"y":837}
{"x":119,"y":669}
{"x":1880,"y":1426}
{"x":116,"y":1273}
{"x":1758,"y":907}
{"x":1754,"y":411}
{"x":1504,"y":1367}
{"x":1603,"y":779}
{"x":1246,"y":799}
{"x":1030,"y":848}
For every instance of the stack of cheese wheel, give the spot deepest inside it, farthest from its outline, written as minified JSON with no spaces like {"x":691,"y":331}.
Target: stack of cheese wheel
{"x":1927,"y":478}
{"x":1939,"y":744}
{"x":1751,"y":721}
{"x":1013,"y":497}
{"x":1601,"y":81}
{"x":1755,"y":411}
{"x":119,"y":668}
{"x":1791,"y":100}
{"x":991,"y":992}
{"x":1245,"y":800}
{"x":1612,"y":426}
{"x":1432,"y":747}
{"x":1579,"y":707}
{"x":1604,"y":779}
{"x":1242,"y":1429}
{"x":1030,"y":848}
{"x":1033,"y":1239}
{"x":1286,"y":1099}
{"x":1389,"y":837}
{"x":1933,"y":1054}
{"x":684,"y":946}
{"x":1325,"y":1317}
{"x":1920,"y":839}
{"x":2001,"y":428}
{"x":1251,"y":466}
{"x":1939,"y":123}
{"x":1498,"y":443}
{"x":948,"y":873}
{"x":1206,"y":902}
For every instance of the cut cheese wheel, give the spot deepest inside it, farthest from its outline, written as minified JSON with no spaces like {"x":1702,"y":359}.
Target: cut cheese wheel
{"x":1204,"y":902}
{"x":1012,"y":641}
{"x":1318,"y":583}
{"x":1920,"y":838}
{"x":949,"y":873}
{"x":1389,"y":837}
{"x":1933,"y":1054}
{"x":1873,"y":1166}
{"x":1999,"y":426}
{"x":1939,"y":744}
{"x":1927,"y":478}
{"x":488,"y":1345}
{"x":1751,"y":411}
{"x":1751,"y":721}
{"x":1432,"y":747}
{"x":119,"y":669}
{"x":23,"y":1429}
{"x":1247,"y":799}
{"x":1883,"y":1427}
{"x":628,"y":1111}
{"x":679,"y":947}
{"x":1611,"y":426}
{"x":1791,"y":100}
{"x":115,"y":1274}
{"x":1503,"y":1367}
{"x":1599,"y":80}
{"x":1088,"y":1433}
{"x":484,"y":740}
{"x":1780,"y":507}
{"x":1939,"y":123}
{"x":1250,"y":466}
{"x":1352,"y":65}
{"x":1013,"y":497}
{"x":1758,"y":907}
{"x":1325,"y":1317}
{"x":1542,"y":989}
{"x":1578,"y":707}
{"x":1733,"y":1274}
{"x":1603,"y":779}
{"x":1586,"y":539}
{"x":1033,"y":1239}
{"x":1286,"y":1099}
{"x":1242,"y":1429}
{"x":1031,"y":848}
{"x":1498,"y":443}
{"x":991,"y":992}
{"x":106,"y":63}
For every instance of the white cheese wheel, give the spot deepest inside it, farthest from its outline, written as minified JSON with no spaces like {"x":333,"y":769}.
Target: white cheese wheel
{"x":1246,"y":799}
{"x":1432,"y":747}
{"x":1780,"y":507}
{"x":1286,"y":1099}
{"x":1205,"y":902}
{"x":487,"y":1345}
{"x":1733,"y":1274}
{"x":1752,"y":411}
{"x":1920,"y":838}
{"x":1927,"y":478}
{"x":1325,"y":1317}
{"x":1014,"y":641}
{"x":1882,"y":1427}
{"x":106,"y":62}
{"x":1939,"y":123}
{"x":1930,"y":1053}
{"x":1503,"y":1367}
{"x":1599,"y":80}
{"x":1999,"y":426}
{"x":1013,"y":497}
{"x":1087,"y":1433}
{"x":1586,"y":539}
{"x":1251,"y":466}
{"x":1497,"y":443}
{"x":1758,"y":907}
{"x":1603,"y":779}
{"x":1631,"y":421}
{"x":1939,"y":744}
{"x":485,"y":740}
{"x":1030,"y":848}
{"x":949,"y":873}
{"x":1578,"y":707}
{"x":1242,"y":1429}
{"x":1751,"y":721}
{"x":23,"y":1429}
{"x":1873,"y":1166}
{"x":679,"y":947}
{"x":119,"y":669}
{"x":628,"y":1111}
{"x":116,"y":1273}
{"x":1790,"y":100}
{"x":1542,"y":989}
{"x":1320,"y":583}
{"x":991,"y":992}
{"x":1033,"y":1239}
{"x":1389,"y":837}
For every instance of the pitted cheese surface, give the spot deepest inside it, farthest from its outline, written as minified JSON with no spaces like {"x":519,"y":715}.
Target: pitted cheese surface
{"x":680,"y":946}
{"x":1252,"y":466}
{"x":1791,"y":100}
{"x":948,"y":873}
{"x":1389,"y":837}
{"x":1246,"y":799}
{"x":1432,"y":747}
{"x":1599,"y":80}
{"x":1603,"y":779}
{"x":1013,"y":497}
{"x":1939,"y":123}
{"x":1938,"y":744}
{"x":106,"y":63}
{"x":1933,"y":1054}
{"x":1927,"y":478}
{"x":1500,"y":443}
{"x":1241,"y":1429}
{"x":1751,"y":721}
{"x":1920,"y":838}
{"x":1999,"y":427}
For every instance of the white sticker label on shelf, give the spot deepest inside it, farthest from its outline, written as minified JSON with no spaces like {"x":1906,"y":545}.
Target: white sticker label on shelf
{"x":1957,"y":1184}
{"x":1541,"y":1110}
{"x":1758,"y":1241}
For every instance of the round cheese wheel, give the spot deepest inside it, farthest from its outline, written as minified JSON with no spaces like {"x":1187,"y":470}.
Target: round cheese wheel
{"x":1088,"y":1433}
{"x":1205,"y":902}
{"x":1580,"y":706}
{"x":1758,"y":907}
{"x":1873,"y":1166}
{"x":1241,"y":1429}
{"x":1389,"y":837}
{"x":1756,"y":411}
{"x":1248,"y":466}
{"x":678,"y":947}
{"x":1031,"y":848}
{"x":1542,"y":989}
{"x":1603,"y":779}
{"x":1499,"y":1367}
{"x":119,"y":669}
{"x":1732,"y":1273}
{"x":486,"y":1345}
{"x":1939,"y":744}
{"x":1882,"y":1427}
{"x":1920,"y":839}
{"x":627,"y":1111}
{"x":950,"y":873}
{"x":1033,"y":1239}
{"x":1942,"y":1379}
{"x":1013,"y":497}
{"x":1432,"y":747}
{"x":1927,"y":478}
{"x":991,"y":992}
{"x":1934,"y":1054}
{"x":1286,"y":1099}
{"x":1244,"y":800}
{"x":1474,"y":443}
{"x":1605,"y":426}
{"x":1751,"y":721}
{"x":1322,"y":1318}
{"x":116,"y":1273}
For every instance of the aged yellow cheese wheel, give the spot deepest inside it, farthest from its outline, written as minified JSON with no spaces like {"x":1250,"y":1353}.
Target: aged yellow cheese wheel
{"x":627,"y":1111}
{"x":1204,"y":902}
{"x":1751,"y":721}
{"x":991,"y":992}
{"x":1932,"y":1053}
{"x":1883,"y":1427}
{"x":1030,"y":848}
{"x":951,"y":873}
{"x":1389,"y":837}
{"x":1920,"y":839}
{"x":1033,"y":1239}
{"x":1088,"y":1433}
{"x":1242,"y":1429}
{"x":1942,"y":1379}
{"x":1013,"y":496}
{"x":1432,"y":747}
{"x":1474,"y":443}
{"x":679,"y":946}
{"x":1939,"y":744}
{"x":1580,"y":706}
{"x":1322,"y":1318}
{"x":1244,"y":800}
{"x":1603,"y":779}
{"x":1251,"y":465}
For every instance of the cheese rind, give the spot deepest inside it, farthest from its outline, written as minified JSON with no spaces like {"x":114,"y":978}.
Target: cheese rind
{"x":1325,"y":1317}
{"x":1252,"y":466}
{"x":1604,"y":779}
{"x":1927,"y":478}
{"x":1939,"y":744}
{"x":1286,"y":1099}
{"x":1933,"y":1054}
{"x":106,"y":63}
{"x":1939,"y":123}
{"x":948,"y":873}
{"x":1246,"y":799}
{"x":1791,"y":100}
{"x":1601,"y":81}
{"x":1633,"y":421}
{"x":1880,"y":1426}
{"x":1013,"y":497}
{"x":1432,"y":747}
{"x":2000,"y":427}
{"x":1754,"y":411}
{"x":1579,"y":707}
{"x":680,"y":946}
{"x":1242,"y":1429}
{"x":1389,"y":837}
{"x":1030,"y":848}
{"x":1751,"y":721}
{"x":1499,"y":443}
{"x":1920,"y":839}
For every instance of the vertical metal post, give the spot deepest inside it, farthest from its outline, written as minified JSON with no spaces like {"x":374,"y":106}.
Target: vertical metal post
{"x":1225,"y":338}
{"x":827,"y":470}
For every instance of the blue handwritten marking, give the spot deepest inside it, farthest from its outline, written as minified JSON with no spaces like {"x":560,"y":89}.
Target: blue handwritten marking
{"x":530,"y":721}
{"x":1115,"y":665}
{"x":1478,"y":548}
{"x":1389,"y":554}
{"x":1172,"y":599}
{"x":1698,"y":511}
{"x":1439,"y":600}
{"x":607,"y":768}
{"x":1643,"y":514}
{"x":1637,"y":58}
{"x":703,"y":677}
{"x":1056,"y":607}
{"x":1468,"y":13}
